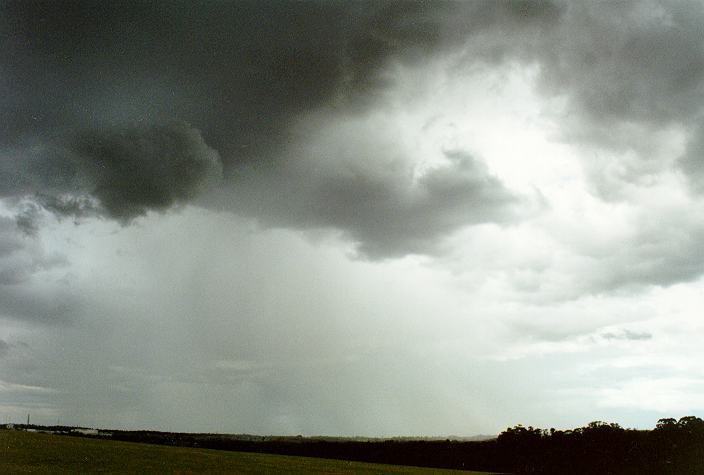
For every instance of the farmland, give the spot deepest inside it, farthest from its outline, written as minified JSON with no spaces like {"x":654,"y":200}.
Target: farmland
{"x":25,"y":452}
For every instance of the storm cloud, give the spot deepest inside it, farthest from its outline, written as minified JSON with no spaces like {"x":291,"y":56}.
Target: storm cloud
{"x":278,"y":201}
{"x":119,"y":174}
{"x":239,"y":75}
{"x":238,"y":71}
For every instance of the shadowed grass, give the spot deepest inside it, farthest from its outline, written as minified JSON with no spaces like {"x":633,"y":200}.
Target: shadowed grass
{"x":24,"y":452}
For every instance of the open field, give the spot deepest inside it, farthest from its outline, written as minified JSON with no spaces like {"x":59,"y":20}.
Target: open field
{"x":23,"y":452}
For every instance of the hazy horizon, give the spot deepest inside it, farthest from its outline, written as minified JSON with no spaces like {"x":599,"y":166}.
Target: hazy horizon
{"x":364,"y":218}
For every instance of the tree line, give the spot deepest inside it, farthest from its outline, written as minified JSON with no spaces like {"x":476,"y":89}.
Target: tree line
{"x":672,"y":447}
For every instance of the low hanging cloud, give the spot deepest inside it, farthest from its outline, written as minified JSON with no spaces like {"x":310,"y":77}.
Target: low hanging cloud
{"x":135,"y":170}
{"x":119,"y":174}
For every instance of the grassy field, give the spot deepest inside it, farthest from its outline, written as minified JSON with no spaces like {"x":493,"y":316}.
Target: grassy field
{"x":23,"y":452}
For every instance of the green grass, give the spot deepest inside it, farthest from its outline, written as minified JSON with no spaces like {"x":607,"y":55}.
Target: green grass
{"x":24,"y":452}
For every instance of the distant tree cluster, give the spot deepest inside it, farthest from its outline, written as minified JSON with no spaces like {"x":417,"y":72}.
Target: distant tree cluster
{"x":674,"y":446}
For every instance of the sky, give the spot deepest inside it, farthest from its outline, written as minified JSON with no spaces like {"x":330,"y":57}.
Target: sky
{"x":365,"y":218}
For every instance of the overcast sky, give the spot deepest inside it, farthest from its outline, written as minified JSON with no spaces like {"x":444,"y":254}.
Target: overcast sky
{"x":351,"y":218}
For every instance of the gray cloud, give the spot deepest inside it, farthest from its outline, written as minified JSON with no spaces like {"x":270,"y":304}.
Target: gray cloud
{"x":627,"y":335}
{"x":27,"y":219}
{"x":574,"y":331}
{"x":628,"y":60}
{"x":631,"y":76}
{"x":666,"y":248}
{"x":135,"y":170}
{"x":119,"y":174}
{"x":54,"y":305}
{"x":384,"y":210}
{"x":21,"y":258}
{"x":398,"y":218}
{"x":692,"y":161}
{"x":628,"y":70}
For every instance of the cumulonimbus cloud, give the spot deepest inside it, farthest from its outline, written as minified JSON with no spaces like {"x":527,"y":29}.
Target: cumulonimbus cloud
{"x":119,"y":174}
{"x":242,"y":73}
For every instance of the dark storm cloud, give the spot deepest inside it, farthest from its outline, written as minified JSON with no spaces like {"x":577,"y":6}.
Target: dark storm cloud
{"x":236,"y":70}
{"x":92,"y":91}
{"x":88,"y":85}
{"x":117,"y":173}
{"x":135,"y":170}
